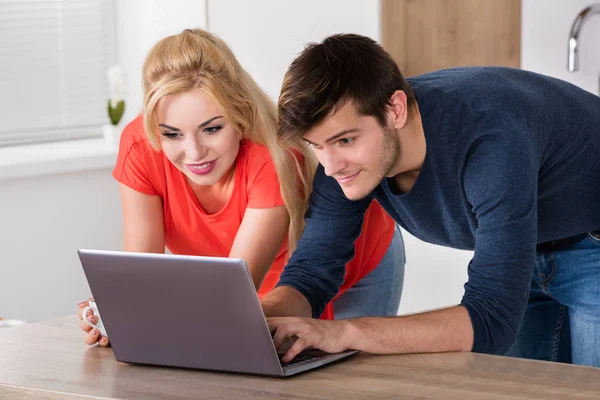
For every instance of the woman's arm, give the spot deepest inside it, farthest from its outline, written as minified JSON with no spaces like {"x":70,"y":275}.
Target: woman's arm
{"x":143,"y":231}
{"x":143,"y":221}
{"x":259,"y":238}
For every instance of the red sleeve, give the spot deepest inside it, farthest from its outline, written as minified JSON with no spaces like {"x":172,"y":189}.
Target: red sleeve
{"x":263,"y":182}
{"x":133,"y":162}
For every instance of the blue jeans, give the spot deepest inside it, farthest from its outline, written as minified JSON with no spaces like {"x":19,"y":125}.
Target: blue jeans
{"x":562,"y":319}
{"x":378,"y":293}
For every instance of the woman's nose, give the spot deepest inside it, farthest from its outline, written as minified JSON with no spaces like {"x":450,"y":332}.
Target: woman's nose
{"x":194,"y":150}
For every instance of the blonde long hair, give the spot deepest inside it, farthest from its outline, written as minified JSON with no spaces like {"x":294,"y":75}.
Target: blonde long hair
{"x":197,"y":59}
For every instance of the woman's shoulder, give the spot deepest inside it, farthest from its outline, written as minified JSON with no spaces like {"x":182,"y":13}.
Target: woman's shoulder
{"x":253,"y":155}
{"x":254,"y":150}
{"x":134,"y":143}
{"x":133,"y":134}
{"x":138,"y":165}
{"x":256,"y":164}
{"x":259,"y":154}
{"x":259,"y":176}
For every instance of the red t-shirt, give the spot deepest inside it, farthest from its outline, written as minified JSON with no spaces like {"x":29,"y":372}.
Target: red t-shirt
{"x":190,"y":230}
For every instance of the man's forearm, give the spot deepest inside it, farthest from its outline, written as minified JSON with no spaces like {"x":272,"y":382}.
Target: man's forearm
{"x":285,"y":301}
{"x":449,"y":329}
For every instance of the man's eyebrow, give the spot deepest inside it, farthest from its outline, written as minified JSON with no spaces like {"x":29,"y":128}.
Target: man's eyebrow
{"x":336,"y":136}
{"x":340,"y":134}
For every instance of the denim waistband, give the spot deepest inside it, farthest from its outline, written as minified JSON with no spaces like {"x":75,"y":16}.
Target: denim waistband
{"x":559,"y":243}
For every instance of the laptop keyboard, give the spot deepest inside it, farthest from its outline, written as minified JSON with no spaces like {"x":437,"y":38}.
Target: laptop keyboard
{"x":305,"y":356}
{"x":299,"y":359}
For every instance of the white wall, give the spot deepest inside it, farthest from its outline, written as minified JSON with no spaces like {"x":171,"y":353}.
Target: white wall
{"x":43,"y":221}
{"x":545,"y":28}
{"x":266,"y":35}
{"x":140,"y":24}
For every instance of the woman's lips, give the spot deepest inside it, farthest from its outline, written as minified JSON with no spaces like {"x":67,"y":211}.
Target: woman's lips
{"x":202,"y":168}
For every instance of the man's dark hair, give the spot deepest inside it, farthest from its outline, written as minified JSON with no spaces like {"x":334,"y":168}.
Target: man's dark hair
{"x":343,"y":68}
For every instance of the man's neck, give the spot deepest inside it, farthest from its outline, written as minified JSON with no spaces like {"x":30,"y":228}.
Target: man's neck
{"x":412,"y":152}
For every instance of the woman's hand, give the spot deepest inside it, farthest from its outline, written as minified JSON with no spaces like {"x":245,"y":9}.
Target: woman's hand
{"x":93,"y":336}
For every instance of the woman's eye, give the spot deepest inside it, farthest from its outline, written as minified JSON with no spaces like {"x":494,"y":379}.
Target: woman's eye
{"x":171,"y":135}
{"x":346,"y":140}
{"x":213,"y":129}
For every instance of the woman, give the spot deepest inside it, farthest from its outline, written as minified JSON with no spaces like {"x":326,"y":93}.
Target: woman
{"x":201,"y":173}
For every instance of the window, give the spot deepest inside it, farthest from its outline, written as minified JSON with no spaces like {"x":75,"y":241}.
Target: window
{"x":54,"y":55}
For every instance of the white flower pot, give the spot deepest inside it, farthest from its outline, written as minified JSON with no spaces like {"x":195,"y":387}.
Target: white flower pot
{"x":111,"y":134}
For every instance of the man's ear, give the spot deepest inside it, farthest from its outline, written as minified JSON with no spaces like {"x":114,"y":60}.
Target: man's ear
{"x":398,"y":110}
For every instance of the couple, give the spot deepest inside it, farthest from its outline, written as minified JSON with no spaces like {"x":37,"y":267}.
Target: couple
{"x":496,"y":160}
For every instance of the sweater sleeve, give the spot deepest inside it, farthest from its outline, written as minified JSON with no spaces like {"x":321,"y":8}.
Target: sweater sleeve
{"x":500,"y":183}
{"x":317,"y":267}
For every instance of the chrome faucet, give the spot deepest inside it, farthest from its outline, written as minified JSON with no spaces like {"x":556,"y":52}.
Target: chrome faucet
{"x":583,"y":16}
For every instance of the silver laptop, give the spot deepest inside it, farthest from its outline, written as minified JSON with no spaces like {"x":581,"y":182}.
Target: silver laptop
{"x":186,"y":311}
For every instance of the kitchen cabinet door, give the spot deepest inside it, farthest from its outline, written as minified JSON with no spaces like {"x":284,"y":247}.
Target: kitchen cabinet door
{"x":427,"y":35}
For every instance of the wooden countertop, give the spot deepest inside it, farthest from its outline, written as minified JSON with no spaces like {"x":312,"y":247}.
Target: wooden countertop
{"x":49,"y":361}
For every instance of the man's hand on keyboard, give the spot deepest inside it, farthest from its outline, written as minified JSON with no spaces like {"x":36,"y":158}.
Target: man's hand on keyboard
{"x":328,"y":336}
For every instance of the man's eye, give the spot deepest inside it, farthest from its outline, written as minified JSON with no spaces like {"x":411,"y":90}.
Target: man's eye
{"x":171,"y":135}
{"x":213,"y":129}
{"x":346,"y":140}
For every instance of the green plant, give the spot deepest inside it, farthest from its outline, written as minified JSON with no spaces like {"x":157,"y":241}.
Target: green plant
{"x":116,"y":104}
{"x":116,"y":113}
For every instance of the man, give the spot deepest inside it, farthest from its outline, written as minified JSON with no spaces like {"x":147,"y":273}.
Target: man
{"x":500,"y":161}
